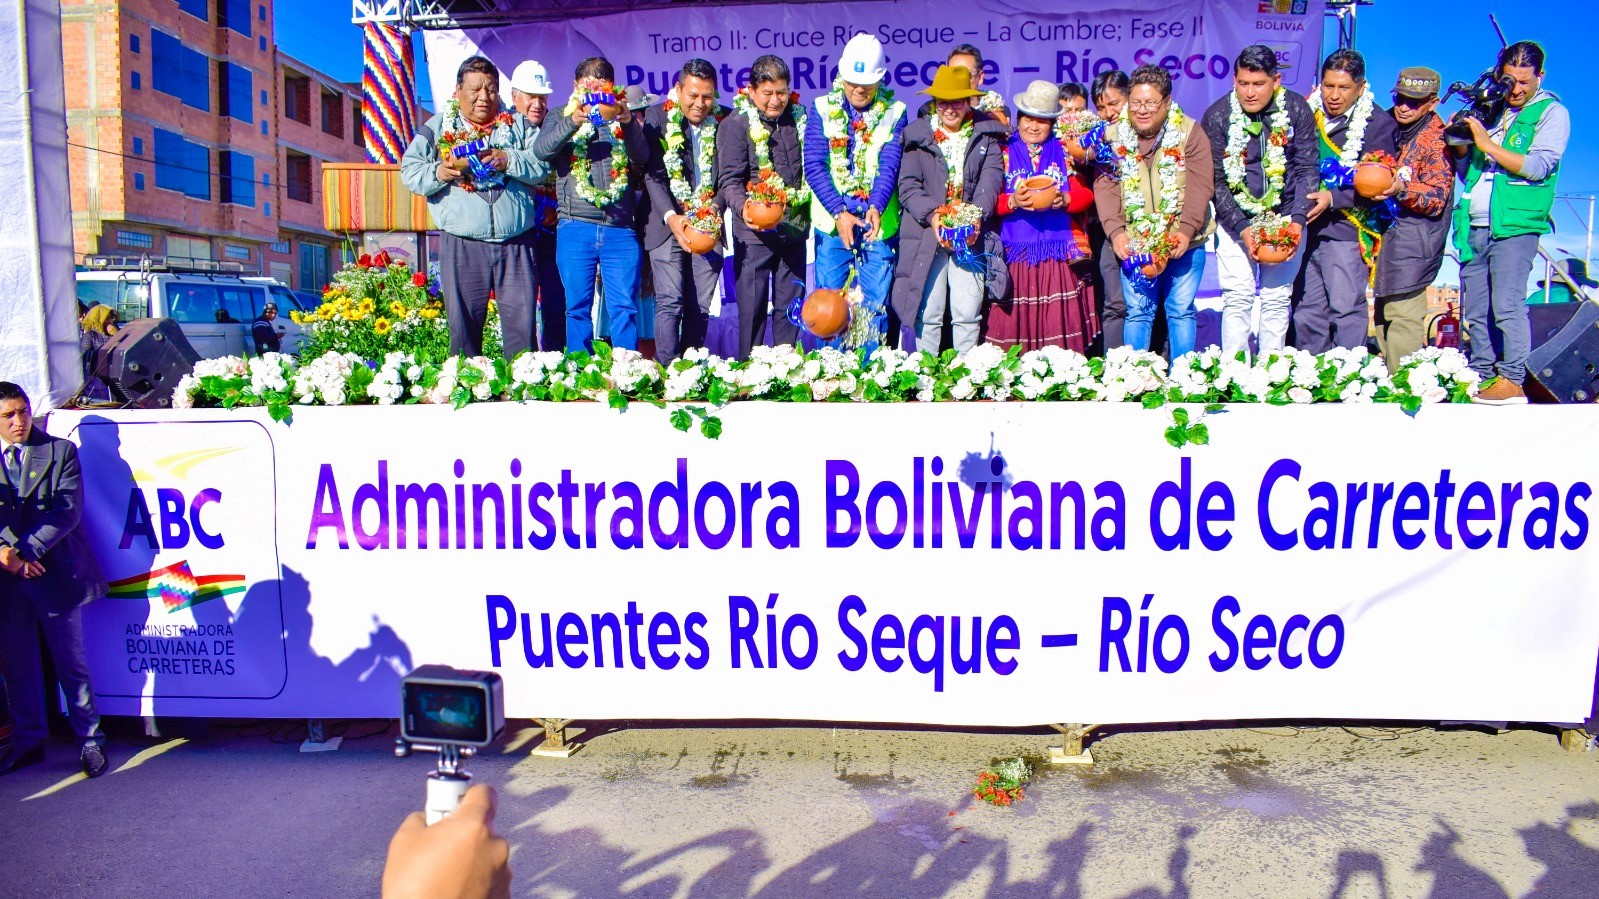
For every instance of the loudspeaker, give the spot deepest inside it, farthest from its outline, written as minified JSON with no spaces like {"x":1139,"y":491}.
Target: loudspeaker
{"x":144,"y":361}
{"x":1565,"y":366}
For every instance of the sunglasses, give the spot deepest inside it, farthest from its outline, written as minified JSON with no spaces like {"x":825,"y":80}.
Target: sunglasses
{"x":1411,"y":102}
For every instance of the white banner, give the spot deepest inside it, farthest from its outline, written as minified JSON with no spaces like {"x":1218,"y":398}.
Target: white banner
{"x":1196,"y":40}
{"x":984,"y":564}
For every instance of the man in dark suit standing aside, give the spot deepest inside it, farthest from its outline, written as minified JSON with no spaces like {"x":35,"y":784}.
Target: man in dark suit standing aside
{"x":47,"y":574}
{"x":761,"y":142}
{"x":681,"y":180}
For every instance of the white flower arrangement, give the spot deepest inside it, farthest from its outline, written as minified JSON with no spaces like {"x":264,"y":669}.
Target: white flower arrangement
{"x":1274,"y":161}
{"x":1355,"y":134}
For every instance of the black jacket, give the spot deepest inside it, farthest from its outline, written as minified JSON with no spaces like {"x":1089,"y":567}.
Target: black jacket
{"x":659,"y":184}
{"x":554,"y":145}
{"x":1304,"y":160}
{"x":1381,"y":134}
{"x":923,"y":181}
{"x":40,"y":518}
{"x":736,"y":168}
{"x":1413,"y":249}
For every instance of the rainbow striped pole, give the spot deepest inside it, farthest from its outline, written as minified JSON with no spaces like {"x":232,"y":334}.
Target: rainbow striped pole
{"x":388,"y":94}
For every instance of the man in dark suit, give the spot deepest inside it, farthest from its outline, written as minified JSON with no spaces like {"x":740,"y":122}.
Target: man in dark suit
{"x":680,"y":179}
{"x":266,"y":333}
{"x":768,"y":263}
{"x":47,"y":574}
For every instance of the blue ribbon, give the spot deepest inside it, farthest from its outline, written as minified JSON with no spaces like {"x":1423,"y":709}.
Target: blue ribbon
{"x":1132,"y":267}
{"x":481,"y":171}
{"x":1098,"y":146}
{"x":1335,"y":174}
{"x":593,"y":99}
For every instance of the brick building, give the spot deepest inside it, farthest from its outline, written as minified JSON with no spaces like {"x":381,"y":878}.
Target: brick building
{"x":191,"y":135}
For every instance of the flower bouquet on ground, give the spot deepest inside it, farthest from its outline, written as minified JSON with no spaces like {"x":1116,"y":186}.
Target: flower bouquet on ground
{"x":957,"y":224}
{"x":702,"y":228}
{"x":1274,"y":236}
{"x":1002,"y":783}
{"x":1375,"y":174}
{"x":765,"y":203}
{"x":599,"y":95}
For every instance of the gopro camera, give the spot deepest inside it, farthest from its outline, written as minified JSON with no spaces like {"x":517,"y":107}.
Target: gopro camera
{"x":454,"y":713}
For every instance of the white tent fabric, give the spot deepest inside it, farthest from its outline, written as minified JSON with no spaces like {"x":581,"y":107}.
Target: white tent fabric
{"x":38,"y":299}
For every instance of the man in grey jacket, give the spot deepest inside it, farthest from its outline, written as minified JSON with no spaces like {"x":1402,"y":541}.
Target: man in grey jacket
{"x":474,"y":162}
{"x":47,"y":574}
{"x":596,"y":187}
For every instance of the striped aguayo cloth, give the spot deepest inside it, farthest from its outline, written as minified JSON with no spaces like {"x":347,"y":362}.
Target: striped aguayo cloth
{"x":370,"y":197}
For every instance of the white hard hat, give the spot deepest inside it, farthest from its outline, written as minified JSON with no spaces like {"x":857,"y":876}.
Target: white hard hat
{"x":862,"y":62}
{"x":530,"y":78}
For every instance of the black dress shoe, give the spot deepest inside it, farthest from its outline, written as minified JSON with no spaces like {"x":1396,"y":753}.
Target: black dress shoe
{"x":94,"y":763}
{"x":21,"y":758}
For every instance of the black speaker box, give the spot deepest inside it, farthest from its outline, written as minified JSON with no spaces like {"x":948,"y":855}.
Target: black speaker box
{"x":144,"y":361}
{"x":1562,"y":367}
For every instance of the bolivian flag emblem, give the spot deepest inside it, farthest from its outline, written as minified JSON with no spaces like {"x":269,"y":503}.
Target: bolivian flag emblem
{"x":177,"y":586}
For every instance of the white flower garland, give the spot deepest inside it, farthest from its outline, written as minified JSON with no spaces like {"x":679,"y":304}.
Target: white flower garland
{"x":704,"y":160}
{"x":954,"y":145}
{"x":582,"y":168}
{"x":1355,"y":135}
{"x":1146,"y":226}
{"x":1274,"y":162}
{"x":761,"y":139}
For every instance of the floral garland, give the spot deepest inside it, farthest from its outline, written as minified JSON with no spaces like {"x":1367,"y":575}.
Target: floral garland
{"x":990,"y":101}
{"x":1150,"y":229}
{"x":582,"y":169}
{"x":457,"y":131}
{"x":853,"y":177}
{"x":1274,"y":163}
{"x":1355,"y":135}
{"x":761,"y":139}
{"x":954,"y":145}
{"x":704,"y":160}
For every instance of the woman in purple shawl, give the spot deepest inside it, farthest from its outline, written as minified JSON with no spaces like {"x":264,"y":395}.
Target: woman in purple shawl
{"x":1051,"y":300}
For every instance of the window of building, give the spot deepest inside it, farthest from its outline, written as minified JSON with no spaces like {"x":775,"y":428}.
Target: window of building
{"x":234,"y":251}
{"x":237,"y":83}
{"x":236,"y":172}
{"x":182,"y":165}
{"x":263,"y":127}
{"x":260,"y":12}
{"x":263,"y":98}
{"x":138,"y":240}
{"x":356,"y":125}
{"x":266,"y":179}
{"x":179,"y":71}
{"x":297,"y":176}
{"x":332,"y":114}
{"x":138,"y":181}
{"x":185,"y":247}
{"x":133,"y":43}
{"x":266,"y":209}
{"x":138,"y":83}
{"x":196,"y":8}
{"x":234,"y":14}
{"x":279,"y":246}
{"x":138,"y":146}
{"x":261,"y":41}
{"x":297,"y":97}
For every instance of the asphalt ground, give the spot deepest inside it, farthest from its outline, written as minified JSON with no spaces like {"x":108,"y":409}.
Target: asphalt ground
{"x":777,"y":811}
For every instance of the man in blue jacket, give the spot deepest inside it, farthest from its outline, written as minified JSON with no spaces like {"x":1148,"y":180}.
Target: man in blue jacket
{"x":47,"y":574}
{"x":474,"y":162}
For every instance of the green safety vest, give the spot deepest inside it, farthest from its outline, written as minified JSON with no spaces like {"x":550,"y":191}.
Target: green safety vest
{"x":821,"y":219}
{"x":1517,"y":206}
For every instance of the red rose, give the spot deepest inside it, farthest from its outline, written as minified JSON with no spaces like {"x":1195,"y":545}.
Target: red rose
{"x":420,"y":279}
{"x":381,"y":260}
{"x":365,"y":261}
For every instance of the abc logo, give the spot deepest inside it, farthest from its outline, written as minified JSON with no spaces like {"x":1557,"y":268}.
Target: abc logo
{"x":177,"y":520}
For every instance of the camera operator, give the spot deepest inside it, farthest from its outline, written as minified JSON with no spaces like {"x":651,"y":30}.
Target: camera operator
{"x":460,"y":857}
{"x":1509,"y":172}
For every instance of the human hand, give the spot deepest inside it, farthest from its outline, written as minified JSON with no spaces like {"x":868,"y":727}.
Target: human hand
{"x":874,"y":225}
{"x":847,"y":223}
{"x":11,"y":560}
{"x":1179,"y":244}
{"x":1299,"y":231}
{"x":448,"y":173}
{"x":1121,"y":245}
{"x":497,"y":160}
{"x":1060,"y":200}
{"x":744,"y":213}
{"x":32,"y":569}
{"x":460,"y":857}
{"x":1250,"y":244}
{"x":1321,"y":201}
{"x":1479,"y":134}
{"x":1022,"y":197}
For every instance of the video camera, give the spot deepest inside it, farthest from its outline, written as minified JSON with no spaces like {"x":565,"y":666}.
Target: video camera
{"x":1485,"y":102}
{"x":455,"y":713}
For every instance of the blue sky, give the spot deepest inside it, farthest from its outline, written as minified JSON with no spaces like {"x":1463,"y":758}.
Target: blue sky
{"x":1457,"y":41}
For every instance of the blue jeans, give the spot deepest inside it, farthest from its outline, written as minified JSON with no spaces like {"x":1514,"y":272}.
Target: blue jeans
{"x":876,"y":277}
{"x":581,"y":250}
{"x":1493,"y":302}
{"x":1179,"y":283}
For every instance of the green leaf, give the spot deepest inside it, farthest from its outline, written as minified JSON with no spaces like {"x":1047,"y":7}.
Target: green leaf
{"x":718,"y":393}
{"x":680,"y":419}
{"x":281,"y":412}
{"x":617,"y":400}
{"x":1199,"y":434}
{"x":1411,"y":404}
{"x":1153,"y":400}
{"x":1214,"y":407}
{"x":711,"y":427}
{"x":1176,"y":436}
{"x":1180,"y":416}
{"x":799,"y":393}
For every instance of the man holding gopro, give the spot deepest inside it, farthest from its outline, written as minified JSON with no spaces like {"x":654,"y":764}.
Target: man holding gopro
{"x":460,"y":857}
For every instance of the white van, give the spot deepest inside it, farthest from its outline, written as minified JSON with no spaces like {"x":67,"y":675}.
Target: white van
{"x":213,"y":302}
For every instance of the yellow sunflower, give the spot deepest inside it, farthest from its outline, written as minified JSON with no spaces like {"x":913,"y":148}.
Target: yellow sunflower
{"x":397,"y":309}
{"x":429,"y":313}
{"x":381,"y":326}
